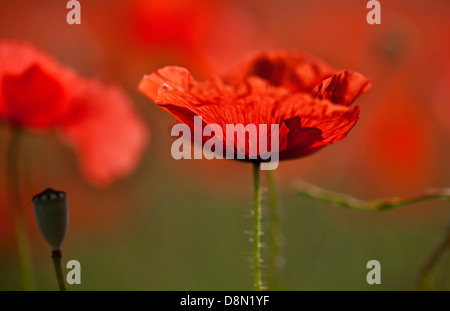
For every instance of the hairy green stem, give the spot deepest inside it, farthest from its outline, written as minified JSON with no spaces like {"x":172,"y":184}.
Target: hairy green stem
{"x":20,"y":231}
{"x":276,"y":235}
{"x":56,"y":257}
{"x":377,"y":205}
{"x":257,"y":227}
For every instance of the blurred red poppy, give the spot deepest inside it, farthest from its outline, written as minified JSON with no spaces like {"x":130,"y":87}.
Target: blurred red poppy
{"x":98,"y":120}
{"x":209,"y":35}
{"x":308,"y":99}
{"x":176,"y":22}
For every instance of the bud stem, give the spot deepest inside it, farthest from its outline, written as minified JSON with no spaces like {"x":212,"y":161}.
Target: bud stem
{"x":56,"y":257}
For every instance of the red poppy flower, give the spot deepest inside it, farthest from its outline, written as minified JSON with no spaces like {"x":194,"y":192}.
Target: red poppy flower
{"x":37,"y":93}
{"x":308,"y":99}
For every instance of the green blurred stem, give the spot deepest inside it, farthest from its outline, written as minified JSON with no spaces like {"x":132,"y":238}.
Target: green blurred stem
{"x":257,"y":227}
{"x":276,"y":235}
{"x":425,"y":272}
{"x":377,"y":205}
{"x":20,"y":232}
{"x":56,"y":257}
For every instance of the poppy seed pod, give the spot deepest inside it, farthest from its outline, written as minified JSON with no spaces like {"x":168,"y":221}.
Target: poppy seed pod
{"x":52,"y":214}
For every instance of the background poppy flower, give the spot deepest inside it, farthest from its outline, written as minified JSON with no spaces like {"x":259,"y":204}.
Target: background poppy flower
{"x":37,"y":93}
{"x":206,"y":34}
{"x":308,"y":99}
{"x":97,"y":120}
{"x":34,"y":89}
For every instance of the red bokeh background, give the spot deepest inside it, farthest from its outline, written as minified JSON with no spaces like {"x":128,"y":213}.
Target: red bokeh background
{"x":400,"y":146}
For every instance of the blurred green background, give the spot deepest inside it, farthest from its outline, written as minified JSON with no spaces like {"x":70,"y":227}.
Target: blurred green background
{"x":180,"y":225}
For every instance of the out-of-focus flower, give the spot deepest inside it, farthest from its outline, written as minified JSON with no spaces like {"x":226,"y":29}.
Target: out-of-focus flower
{"x":308,"y":99}
{"x":400,"y":140}
{"x":209,"y":35}
{"x":170,"y":23}
{"x":99,"y":121}
{"x":52,"y":214}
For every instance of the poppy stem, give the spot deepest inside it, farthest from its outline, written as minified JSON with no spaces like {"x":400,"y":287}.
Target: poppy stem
{"x":56,"y":257}
{"x":276,"y":235}
{"x":424,"y":276}
{"x":20,"y":230}
{"x":377,"y":205}
{"x":257,"y":227}
{"x":443,"y":245}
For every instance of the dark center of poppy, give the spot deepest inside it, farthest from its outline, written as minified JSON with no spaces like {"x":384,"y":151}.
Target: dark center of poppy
{"x":271,"y":70}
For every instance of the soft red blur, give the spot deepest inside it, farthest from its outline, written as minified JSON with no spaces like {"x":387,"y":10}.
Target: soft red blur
{"x":400,"y":145}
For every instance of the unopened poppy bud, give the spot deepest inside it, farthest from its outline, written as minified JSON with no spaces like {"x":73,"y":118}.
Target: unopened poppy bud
{"x":52,"y":214}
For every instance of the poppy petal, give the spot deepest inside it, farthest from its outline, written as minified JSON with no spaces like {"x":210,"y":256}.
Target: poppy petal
{"x":295,"y":71}
{"x":317,"y":123}
{"x":33,"y":87}
{"x":106,"y":133}
{"x":257,"y":102}
{"x":172,"y":76}
{"x":299,"y":139}
{"x":342,"y":88}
